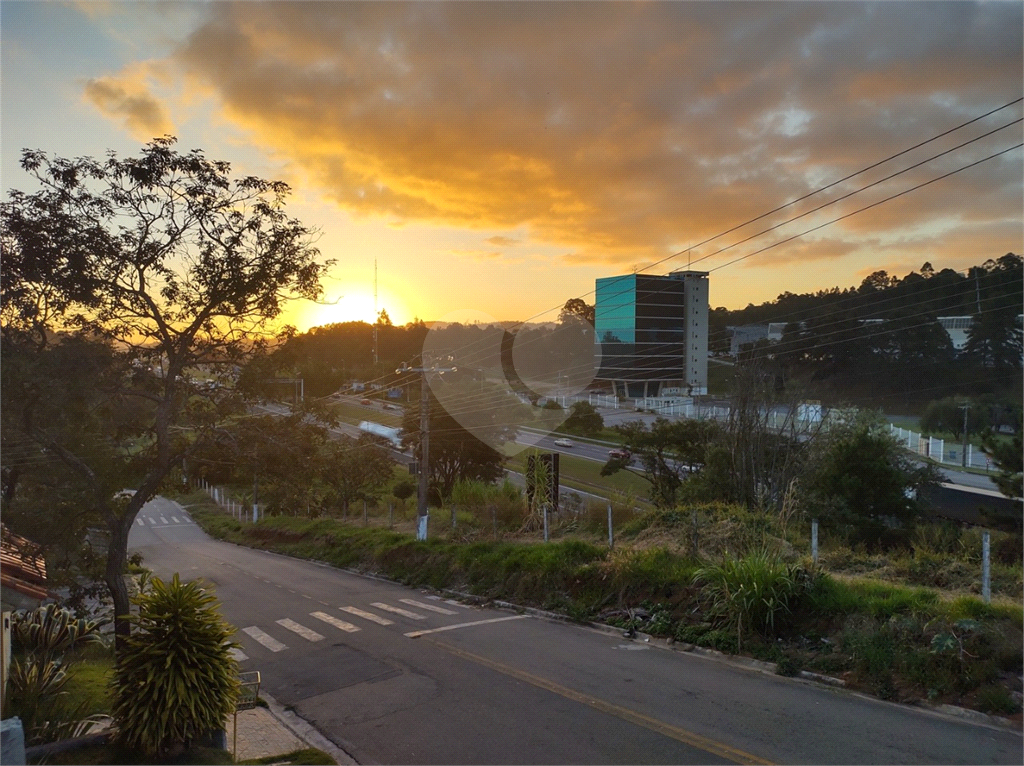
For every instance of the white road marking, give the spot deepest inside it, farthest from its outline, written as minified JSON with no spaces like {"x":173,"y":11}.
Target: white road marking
{"x":267,"y":640}
{"x":238,"y":654}
{"x":163,"y":520}
{"x":302,"y":630}
{"x":418,"y":633}
{"x":348,"y":627}
{"x":396,"y":610}
{"x":151,"y":520}
{"x":428,"y":607}
{"x":459,"y":604}
{"x":366,"y":615}
{"x":139,"y":522}
{"x":174,"y":519}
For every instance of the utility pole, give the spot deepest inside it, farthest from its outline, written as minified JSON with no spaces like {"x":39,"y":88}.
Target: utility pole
{"x":424,"y":461}
{"x":376,"y":316}
{"x":963,"y":458}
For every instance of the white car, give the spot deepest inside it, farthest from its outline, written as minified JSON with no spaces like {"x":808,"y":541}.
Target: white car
{"x":563,"y":442}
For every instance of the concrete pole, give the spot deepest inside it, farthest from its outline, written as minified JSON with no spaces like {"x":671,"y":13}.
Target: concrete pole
{"x":421,"y":500}
{"x":545,"y":522}
{"x":986,"y":570}
{"x":611,"y":533}
{"x":963,"y":457}
{"x":814,"y":540}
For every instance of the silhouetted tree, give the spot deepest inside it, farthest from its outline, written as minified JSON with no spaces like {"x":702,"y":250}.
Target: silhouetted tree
{"x":180,"y":266}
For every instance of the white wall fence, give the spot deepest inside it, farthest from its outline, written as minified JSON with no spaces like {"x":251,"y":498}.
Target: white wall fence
{"x":940,"y":451}
{"x":239,"y":510}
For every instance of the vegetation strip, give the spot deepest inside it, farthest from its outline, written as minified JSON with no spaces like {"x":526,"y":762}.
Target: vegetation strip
{"x":660,"y":727}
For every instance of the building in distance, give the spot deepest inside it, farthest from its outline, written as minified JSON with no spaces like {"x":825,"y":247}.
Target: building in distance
{"x":653,"y":333}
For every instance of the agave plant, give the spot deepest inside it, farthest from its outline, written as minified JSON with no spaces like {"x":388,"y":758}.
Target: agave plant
{"x":175,"y":679}
{"x":50,"y":632}
{"x":35,"y":693}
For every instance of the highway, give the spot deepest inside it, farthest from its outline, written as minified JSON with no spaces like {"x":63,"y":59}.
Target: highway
{"x":396,"y":675}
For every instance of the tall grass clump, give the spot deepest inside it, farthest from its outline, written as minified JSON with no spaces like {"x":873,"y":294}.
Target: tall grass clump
{"x":750,"y":591}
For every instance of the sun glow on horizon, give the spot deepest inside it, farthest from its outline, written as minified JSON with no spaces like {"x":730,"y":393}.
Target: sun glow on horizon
{"x":348,"y":306}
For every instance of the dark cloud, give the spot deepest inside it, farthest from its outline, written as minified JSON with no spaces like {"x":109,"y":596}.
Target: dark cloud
{"x":622,"y":131}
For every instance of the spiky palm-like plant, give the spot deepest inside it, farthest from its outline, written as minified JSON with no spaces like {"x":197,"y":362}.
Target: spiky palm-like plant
{"x":175,"y":680}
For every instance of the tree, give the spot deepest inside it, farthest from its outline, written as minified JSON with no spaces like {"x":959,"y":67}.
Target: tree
{"x":994,"y":340}
{"x":577,"y":309}
{"x":584,"y":419}
{"x":180,"y":267}
{"x":360,"y":468}
{"x":669,"y":451}
{"x":860,"y":481}
{"x":1008,"y":456}
{"x":464,"y":439}
{"x":947,"y":416}
{"x":293,"y":462}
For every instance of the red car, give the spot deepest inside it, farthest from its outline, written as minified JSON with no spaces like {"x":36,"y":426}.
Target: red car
{"x":619,"y":454}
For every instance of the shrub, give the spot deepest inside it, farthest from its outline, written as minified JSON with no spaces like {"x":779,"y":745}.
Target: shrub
{"x":750,"y":591}
{"x":996,"y":699}
{"x":175,"y":679}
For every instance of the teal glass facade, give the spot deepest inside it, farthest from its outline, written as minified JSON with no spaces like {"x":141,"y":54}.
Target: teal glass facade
{"x":640,"y":322}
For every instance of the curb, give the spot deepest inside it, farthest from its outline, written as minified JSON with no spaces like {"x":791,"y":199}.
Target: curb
{"x":760,"y":666}
{"x":306,"y":732}
{"x":975,"y":716}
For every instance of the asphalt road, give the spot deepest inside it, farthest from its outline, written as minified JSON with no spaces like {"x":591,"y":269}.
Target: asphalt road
{"x":445,"y":682}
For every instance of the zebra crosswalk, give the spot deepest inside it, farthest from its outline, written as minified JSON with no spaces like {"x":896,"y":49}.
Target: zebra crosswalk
{"x":162,"y":521}
{"x":368,"y":616}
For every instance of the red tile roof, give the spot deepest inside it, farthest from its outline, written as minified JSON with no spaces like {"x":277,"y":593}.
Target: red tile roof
{"x":22,"y":566}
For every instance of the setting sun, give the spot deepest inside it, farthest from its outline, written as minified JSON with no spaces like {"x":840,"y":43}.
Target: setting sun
{"x":346,"y":306}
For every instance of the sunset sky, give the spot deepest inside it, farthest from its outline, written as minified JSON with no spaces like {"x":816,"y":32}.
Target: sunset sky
{"x":498,"y":157}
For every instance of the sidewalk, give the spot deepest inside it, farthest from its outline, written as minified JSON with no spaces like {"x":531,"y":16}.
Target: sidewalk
{"x":264,"y":732}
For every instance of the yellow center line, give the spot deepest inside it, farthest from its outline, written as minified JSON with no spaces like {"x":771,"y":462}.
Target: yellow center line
{"x":674,"y":732}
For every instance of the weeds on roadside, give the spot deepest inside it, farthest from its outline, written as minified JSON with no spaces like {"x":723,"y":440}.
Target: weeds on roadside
{"x":750,"y":591}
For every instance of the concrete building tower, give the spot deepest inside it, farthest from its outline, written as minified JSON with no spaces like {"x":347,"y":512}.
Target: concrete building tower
{"x":653,"y":333}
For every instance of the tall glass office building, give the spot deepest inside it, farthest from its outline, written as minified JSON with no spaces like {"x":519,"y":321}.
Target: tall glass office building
{"x":653,"y":333}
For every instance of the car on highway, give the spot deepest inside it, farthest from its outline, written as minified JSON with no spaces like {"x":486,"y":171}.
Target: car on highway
{"x":619,"y":454}
{"x":365,"y":401}
{"x":563,"y":442}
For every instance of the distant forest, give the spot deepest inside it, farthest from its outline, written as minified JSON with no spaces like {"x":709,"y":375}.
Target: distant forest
{"x":834,"y":347}
{"x":881,"y":343}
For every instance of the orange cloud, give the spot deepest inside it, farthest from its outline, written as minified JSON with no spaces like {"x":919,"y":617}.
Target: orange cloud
{"x":126,"y":97}
{"x":618,"y":132}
